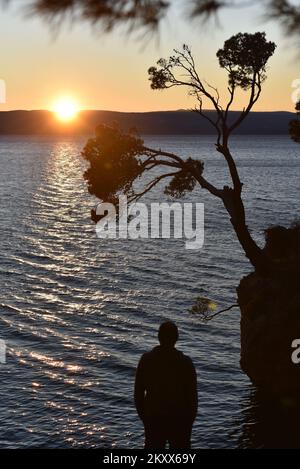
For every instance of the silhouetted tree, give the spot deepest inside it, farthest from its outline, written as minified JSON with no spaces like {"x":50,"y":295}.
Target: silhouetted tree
{"x":117,"y":159}
{"x":294,"y":125}
{"x":149,"y":13}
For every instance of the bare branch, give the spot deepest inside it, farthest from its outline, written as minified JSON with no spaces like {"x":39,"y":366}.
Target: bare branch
{"x":184,"y":165}
{"x":152,"y":184}
{"x":215,"y":124}
{"x":159,"y":152}
{"x":205,"y":184}
{"x":254,"y":96}
{"x":223,"y":311}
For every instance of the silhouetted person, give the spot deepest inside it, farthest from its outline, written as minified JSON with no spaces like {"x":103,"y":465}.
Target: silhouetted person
{"x":166,"y":392}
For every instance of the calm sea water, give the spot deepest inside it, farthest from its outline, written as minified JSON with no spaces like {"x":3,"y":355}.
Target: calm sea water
{"x":77,"y":312}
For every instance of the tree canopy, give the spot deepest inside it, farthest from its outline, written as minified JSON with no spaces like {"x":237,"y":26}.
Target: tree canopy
{"x":244,"y":56}
{"x":238,"y":57}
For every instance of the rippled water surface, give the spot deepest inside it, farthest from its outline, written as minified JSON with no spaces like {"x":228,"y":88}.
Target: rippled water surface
{"x":77,"y":312}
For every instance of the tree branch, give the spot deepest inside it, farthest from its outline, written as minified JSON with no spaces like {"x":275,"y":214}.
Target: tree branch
{"x":254,"y":96}
{"x":152,"y":184}
{"x":167,"y":154}
{"x":207,"y":318}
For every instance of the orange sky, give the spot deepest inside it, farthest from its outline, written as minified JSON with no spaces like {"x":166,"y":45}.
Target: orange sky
{"x":110,"y":72}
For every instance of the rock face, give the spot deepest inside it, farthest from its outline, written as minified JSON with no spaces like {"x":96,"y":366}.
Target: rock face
{"x":270,"y":317}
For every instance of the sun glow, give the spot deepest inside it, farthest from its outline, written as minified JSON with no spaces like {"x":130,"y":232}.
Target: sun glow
{"x":66,"y":109}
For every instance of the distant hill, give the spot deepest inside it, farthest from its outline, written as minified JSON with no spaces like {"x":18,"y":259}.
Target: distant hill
{"x":163,"y":123}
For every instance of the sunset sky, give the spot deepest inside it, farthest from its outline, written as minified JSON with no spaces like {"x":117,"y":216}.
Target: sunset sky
{"x":109,"y":72}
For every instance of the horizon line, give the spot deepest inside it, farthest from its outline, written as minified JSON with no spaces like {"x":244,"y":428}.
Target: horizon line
{"x":140,"y":112}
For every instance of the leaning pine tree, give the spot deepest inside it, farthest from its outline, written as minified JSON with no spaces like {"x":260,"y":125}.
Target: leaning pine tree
{"x":116,"y":159}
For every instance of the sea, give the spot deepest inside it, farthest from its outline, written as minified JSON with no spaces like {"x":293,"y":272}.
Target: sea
{"x":77,"y":312}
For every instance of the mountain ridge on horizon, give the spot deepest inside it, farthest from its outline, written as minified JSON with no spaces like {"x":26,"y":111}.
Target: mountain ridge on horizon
{"x":177,"y":122}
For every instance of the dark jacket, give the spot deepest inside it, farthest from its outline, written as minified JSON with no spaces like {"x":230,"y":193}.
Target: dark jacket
{"x":166,"y":385}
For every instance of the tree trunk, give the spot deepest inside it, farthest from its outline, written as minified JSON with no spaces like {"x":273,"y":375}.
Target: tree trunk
{"x":235,"y":207}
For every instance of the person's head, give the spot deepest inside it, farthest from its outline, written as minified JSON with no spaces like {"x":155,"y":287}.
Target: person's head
{"x":168,"y":334}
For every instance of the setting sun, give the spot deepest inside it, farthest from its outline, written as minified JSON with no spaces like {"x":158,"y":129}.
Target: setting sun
{"x":66,"y":109}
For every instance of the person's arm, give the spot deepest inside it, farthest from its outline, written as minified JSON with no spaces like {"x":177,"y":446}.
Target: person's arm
{"x":139,"y":390}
